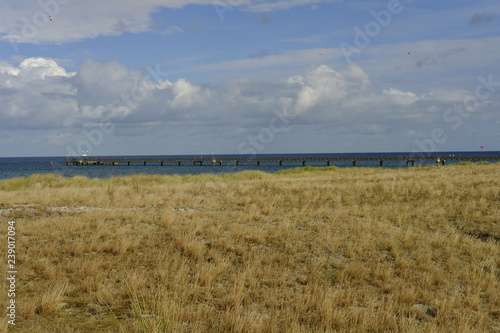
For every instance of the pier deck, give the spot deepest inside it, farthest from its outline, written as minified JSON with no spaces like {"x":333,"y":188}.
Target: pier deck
{"x":258,"y":160}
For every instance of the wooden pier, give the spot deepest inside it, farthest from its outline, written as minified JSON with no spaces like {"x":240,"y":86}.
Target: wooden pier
{"x":409,"y":160}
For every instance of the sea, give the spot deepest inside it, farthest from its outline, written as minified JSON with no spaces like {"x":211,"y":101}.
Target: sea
{"x":12,"y":167}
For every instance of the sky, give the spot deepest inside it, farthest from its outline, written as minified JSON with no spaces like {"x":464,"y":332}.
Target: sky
{"x":168,"y":77}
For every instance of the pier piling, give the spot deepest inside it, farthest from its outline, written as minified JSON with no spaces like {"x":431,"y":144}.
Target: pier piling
{"x":438,"y":160}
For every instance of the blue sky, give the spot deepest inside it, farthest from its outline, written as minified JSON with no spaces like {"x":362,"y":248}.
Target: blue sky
{"x":122,"y":77}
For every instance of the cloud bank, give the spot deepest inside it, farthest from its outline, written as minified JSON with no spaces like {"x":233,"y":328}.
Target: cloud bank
{"x":39,"y":94}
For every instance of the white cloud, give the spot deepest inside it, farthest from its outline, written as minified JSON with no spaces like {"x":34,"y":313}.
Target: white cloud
{"x":324,"y":86}
{"x":401,"y":97}
{"x":187,"y":95}
{"x":36,"y":68}
{"x":35,"y":94}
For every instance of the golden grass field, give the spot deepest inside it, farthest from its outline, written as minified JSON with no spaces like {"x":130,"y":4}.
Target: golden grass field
{"x":303,"y":250}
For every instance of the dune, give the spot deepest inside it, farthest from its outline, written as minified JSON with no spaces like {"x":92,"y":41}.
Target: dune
{"x":302,"y":250}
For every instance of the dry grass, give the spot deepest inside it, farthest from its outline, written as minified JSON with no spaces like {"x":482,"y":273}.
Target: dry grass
{"x":308,"y":250}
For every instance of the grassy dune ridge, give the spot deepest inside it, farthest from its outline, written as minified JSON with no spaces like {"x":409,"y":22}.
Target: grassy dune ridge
{"x":302,"y":250}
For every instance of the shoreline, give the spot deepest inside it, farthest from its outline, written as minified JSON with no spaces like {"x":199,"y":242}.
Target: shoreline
{"x":282,"y":171}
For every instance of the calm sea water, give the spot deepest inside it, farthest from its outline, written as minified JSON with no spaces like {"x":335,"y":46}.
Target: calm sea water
{"x":11,"y":167}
